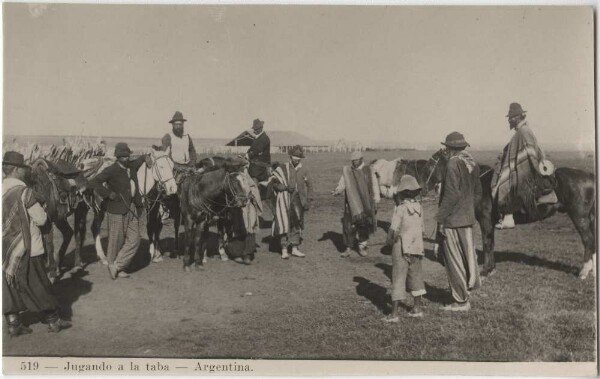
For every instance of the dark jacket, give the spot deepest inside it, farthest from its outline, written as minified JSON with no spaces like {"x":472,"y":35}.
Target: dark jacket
{"x":118,"y":182}
{"x":460,"y":190}
{"x":259,"y":155}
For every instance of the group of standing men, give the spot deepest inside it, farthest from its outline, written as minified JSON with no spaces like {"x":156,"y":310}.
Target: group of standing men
{"x":520,"y":176}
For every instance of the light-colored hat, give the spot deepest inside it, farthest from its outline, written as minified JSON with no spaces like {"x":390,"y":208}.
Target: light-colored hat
{"x":546,"y":167}
{"x":356,"y":155}
{"x":408,"y":182}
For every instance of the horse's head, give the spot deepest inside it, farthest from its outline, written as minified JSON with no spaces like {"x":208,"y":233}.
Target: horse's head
{"x":437,"y":169}
{"x":162,"y":171}
{"x":237,"y":188}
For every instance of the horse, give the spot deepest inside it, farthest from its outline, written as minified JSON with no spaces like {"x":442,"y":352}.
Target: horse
{"x":387,"y":175}
{"x":59,"y":183}
{"x":205,"y":197}
{"x":158,"y":199}
{"x":576,"y":194}
{"x":156,"y":173}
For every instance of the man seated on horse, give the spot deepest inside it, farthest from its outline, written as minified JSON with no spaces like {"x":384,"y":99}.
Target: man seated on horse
{"x":259,"y":153}
{"x":25,"y":285}
{"x":359,"y":206}
{"x":523,"y":179}
{"x":179,"y":146}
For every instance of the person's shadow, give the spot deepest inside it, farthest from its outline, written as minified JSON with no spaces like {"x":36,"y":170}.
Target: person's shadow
{"x":336,"y":238}
{"x":67,"y":292}
{"x":374,"y":293}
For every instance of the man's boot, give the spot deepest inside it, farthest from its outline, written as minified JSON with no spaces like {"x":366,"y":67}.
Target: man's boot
{"x":15,"y":327}
{"x":362,"y":248}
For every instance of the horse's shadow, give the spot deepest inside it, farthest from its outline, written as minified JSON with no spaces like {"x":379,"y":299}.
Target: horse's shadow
{"x":434,"y":294}
{"x":532,"y":260}
{"x":336,"y":238}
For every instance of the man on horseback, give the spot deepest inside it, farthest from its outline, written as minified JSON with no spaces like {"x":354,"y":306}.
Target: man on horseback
{"x":179,"y":145}
{"x":25,"y":286}
{"x":124,"y":208}
{"x":359,"y":206}
{"x":259,"y":153}
{"x":523,"y":178}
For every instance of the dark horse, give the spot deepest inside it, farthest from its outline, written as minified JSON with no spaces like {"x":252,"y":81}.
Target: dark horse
{"x":204,"y":197}
{"x":60,"y":185}
{"x":388,"y":173}
{"x":576,"y":194}
{"x":157,"y":198}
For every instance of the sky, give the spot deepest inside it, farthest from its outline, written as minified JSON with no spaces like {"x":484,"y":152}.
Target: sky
{"x":387,"y":73}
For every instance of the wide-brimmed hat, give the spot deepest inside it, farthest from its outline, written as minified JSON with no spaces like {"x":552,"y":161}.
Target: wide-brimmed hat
{"x":356,"y":155}
{"x":122,"y":150}
{"x":297,"y":151}
{"x":408,"y":182}
{"x":515,"y":109}
{"x":177,"y":117}
{"x":13,"y":158}
{"x":257,"y":124}
{"x":455,"y":139}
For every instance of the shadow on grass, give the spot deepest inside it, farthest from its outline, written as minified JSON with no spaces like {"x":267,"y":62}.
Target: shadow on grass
{"x":531,"y":260}
{"x":67,"y":292}
{"x":336,"y":238}
{"x":374,"y":293}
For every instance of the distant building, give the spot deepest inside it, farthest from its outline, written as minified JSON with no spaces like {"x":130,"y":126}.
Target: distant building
{"x":281,"y":141}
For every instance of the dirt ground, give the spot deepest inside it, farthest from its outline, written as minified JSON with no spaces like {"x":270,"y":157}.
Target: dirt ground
{"x":323,"y":306}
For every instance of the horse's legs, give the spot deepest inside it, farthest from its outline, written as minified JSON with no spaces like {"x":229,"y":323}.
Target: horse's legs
{"x":154,"y":226}
{"x":188,"y":249}
{"x":48,"y":238}
{"x":199,"y":242}
{"x":67,"y":233}
{"x":96,"y":226}
{"x":221,"y":233}
{"x":80,"y":215}
{"x":584,"y":226}
{"x":176,"y":223}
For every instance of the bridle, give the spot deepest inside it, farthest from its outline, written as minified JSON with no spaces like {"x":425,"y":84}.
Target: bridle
{"x":232,"y":199}
{"x":432,"y":170}
{"x":160,"y":183}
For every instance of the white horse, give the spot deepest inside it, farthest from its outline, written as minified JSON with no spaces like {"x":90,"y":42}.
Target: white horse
{"x":158,"y":173}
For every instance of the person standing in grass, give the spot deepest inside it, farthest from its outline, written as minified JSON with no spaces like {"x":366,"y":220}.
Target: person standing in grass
{"x":293,"y":186}
{"x":405,"y":235}
{"x":461,"y":188}
{"x":359,"y":206}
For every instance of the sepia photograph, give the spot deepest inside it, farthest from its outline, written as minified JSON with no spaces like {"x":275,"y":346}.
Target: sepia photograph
{"x":294,"y":189}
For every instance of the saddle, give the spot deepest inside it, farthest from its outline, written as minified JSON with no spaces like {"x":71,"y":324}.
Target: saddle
{"x":62,"y":168}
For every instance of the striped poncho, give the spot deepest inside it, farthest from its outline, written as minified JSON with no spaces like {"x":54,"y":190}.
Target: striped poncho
{"x":516,"y":177}
{"x":288,"y":207}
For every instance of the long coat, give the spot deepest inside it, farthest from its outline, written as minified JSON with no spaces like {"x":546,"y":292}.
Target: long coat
{"x":259,"y":155}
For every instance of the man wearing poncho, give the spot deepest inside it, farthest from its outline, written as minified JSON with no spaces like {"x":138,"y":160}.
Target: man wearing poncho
{"x":25,"y":286}
{"x":359,"y":205}
{"x":293,"y":187}
{"x":522,"y":178}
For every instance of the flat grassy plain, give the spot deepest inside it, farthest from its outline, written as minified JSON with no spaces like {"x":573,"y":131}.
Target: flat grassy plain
{"x":326,"y":307}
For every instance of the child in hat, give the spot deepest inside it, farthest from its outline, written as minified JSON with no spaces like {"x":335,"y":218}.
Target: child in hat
{"x":406,"y":237}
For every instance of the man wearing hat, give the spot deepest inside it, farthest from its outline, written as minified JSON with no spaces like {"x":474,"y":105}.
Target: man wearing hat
{"x":461,"y":188}
{"x":123,"y":206}
{"x":25,"y":286}
{"x":259,"y":153}
{"x":179,"y":145}
{"x":359,"y":206}
{"x":522,"y":178}
{"x":293,"y":186}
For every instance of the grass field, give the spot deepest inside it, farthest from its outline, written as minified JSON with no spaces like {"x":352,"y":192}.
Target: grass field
{"x":326,"y":307}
